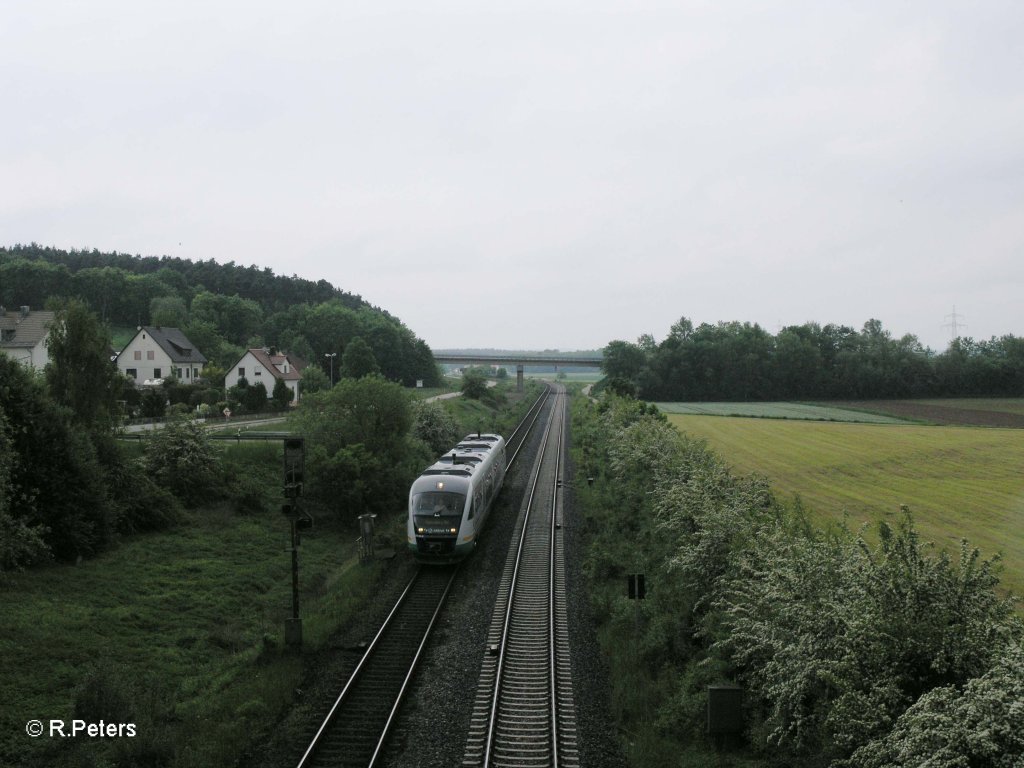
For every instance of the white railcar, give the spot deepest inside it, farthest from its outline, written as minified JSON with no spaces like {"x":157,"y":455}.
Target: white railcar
{"x":450,"y":501}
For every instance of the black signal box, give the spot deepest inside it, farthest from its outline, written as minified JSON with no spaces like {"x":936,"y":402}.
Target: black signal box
{"x":294,"y":461}
{"x":636,"y":586}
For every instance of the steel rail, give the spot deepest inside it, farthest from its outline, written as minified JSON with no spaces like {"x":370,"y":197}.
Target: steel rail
{"x":502,"y":654}
{"x":535,"y":411}
{"x":310,"y":752}
{"x":408,"y":677}
{"x":552,"y":619}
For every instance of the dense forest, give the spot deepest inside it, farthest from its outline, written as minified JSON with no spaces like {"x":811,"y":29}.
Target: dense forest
{"x":223,"y":308}
{"x":740,"y":361}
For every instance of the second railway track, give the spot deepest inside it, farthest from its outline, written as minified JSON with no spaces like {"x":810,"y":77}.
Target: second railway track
{"x":524,"y":714}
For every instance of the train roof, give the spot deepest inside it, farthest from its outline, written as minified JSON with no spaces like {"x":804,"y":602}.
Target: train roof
{"x":482,"y":437}
{"x":463,"y":459}
{"x":456,"y":463}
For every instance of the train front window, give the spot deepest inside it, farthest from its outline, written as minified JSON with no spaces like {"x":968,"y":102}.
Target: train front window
{"x":439,"y":503}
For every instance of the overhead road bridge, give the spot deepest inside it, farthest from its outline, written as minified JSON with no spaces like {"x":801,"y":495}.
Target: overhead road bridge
{"x":559,"y":361}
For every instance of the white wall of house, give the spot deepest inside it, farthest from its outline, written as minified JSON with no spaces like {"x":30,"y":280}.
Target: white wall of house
{"x":254,"y":371}
{"x":33,"y":357}
{"x":250,"y":369}
{"x":144,"y":359}
{"x":294,"y":387}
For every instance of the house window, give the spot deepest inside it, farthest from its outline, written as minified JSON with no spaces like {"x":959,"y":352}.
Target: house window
{"x":241,"y":373}
{"x":156,"y":373}
{"x":257,"y":372}
{"x":138,"y":354}
{"x":133,"y":372}
{"x":150,"y":354}
{"x":188,"y":373}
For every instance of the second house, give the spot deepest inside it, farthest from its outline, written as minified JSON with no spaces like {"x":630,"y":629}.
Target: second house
{"x":260,"y":366}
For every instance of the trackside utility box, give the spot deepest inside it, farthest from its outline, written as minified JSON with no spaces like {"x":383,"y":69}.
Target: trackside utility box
{"x":725,"y":710}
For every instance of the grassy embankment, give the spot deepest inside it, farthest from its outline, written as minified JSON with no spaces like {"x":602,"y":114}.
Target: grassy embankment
{"x":959,"y":482}
{"x":499,"y":410}
{"x":192,"y":617}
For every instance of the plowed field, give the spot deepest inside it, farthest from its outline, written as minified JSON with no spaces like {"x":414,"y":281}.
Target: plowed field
{"x":1002,"y":412}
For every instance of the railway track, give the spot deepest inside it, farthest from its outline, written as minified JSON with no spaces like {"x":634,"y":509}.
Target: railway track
{"x":524,"y":714}
{"x":355,"y":730}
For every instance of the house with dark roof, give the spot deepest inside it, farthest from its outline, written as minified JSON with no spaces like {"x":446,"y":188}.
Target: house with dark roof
{"x":259,"y":365}
{"x":160,"y":353}
{"x":23,"y":336}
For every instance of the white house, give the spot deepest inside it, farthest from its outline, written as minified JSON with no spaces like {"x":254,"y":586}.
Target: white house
{"x":23,"y":336}
{"x":258,"y":365}
{"x":158,"y":353}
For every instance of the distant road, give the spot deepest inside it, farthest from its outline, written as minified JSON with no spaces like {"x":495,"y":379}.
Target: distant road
{"x":208,"y":423}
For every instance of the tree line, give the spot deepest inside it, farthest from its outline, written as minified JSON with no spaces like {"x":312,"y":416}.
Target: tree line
{"x":154,"y":274}
{"x":735,"y":361}
{"x":224,"y":309}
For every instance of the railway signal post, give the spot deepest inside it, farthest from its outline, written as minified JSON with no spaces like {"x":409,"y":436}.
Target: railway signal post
{"x":636,"y":589}
{"x":294,"y":471}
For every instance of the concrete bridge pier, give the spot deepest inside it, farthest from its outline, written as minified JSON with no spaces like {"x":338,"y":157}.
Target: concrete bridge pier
{"x":519,"y":378}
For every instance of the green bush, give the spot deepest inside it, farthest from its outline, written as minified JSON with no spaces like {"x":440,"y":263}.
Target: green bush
{"x":180,"y":458}
{"x":434,"y":425}
{"x":952,"y":726}
{"x":474,"y":385}
{"x":139,"y":503}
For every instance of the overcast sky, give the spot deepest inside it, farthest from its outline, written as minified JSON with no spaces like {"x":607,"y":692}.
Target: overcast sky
{"x":540,"y":174}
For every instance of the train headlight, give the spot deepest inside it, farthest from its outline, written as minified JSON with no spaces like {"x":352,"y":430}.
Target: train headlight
{"x":421,"y":530}
{"x":455,"y":530}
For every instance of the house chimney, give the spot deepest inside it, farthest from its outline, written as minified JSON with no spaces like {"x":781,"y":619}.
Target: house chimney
{"x":24,"y":312}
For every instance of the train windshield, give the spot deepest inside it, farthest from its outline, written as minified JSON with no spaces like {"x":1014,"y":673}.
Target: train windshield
{"x":439,"y":503}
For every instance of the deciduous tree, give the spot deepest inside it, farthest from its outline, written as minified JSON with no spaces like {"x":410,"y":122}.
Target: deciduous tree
{"x":358,"y":360}
{"x":80,"y":374}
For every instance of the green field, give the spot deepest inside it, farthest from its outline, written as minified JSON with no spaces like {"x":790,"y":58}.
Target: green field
{"x":777,"y":411}
{"x":959,"y":482}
